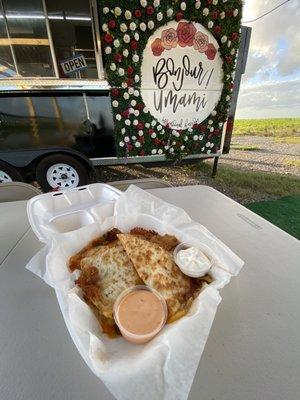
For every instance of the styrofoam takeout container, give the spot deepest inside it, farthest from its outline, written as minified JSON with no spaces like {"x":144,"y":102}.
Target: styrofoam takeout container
{"x":58,"y":213}
{"x":66,"y":222}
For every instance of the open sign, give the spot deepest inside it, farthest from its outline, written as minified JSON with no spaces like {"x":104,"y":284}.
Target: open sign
{"x":76,"y":63}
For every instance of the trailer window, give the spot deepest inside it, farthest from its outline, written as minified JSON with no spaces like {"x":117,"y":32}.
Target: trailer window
{"x":37,"y":36}
{"x":27,"y":38}
{"x":7,"y":67}
{"x":71,"y":28}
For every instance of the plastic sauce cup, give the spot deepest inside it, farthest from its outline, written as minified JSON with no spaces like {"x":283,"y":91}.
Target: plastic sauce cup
{"x":140,"y":315}
{"x":204,"y":249}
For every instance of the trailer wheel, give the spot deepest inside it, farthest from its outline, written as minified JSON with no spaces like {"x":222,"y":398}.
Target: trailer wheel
{"x":60,"y":171}
{"x":8,"y":173}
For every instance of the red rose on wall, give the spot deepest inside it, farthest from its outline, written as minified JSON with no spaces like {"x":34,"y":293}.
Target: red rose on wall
{"x":129,"y":82}
{"x":186,"y":33}
{"x":137,"y":13}
{"x":114,"y":92}
{"x":179,"y":16}
{"x":157,"y":47}
{"x":130,"y":70}
{"x":140,"y":106}
{"x":235,"y":36}
{"x":140,"y":126}
{"x":142,"y":139}
{"x":112,"y":24}
{"x":149,"y":10}
{"x":214,"y":15}
{"x":211,"y":51}
{"x":125,"y":114}
{"x":169,"y":38}
{"x":142,"y":153}
{"x":228,"y":59}
{"x":108,"y":38}
{"x":217,"y":30}
{"x":134,"y":45}
{"x":118,"y":57}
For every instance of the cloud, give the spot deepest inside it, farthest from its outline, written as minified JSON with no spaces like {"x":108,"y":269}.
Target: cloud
{"x":271,"y":99}
{"x":273,"y":60}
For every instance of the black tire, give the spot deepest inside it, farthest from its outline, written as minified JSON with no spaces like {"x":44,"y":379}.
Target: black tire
{"x":47,"y":162}
{"x":13,"y":173}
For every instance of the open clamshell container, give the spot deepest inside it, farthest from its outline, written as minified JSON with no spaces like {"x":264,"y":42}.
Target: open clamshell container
{"x":69,"y":221}
{"x":59,"y":213}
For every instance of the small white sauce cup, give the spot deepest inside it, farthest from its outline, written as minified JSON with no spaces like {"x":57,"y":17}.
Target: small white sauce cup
{"x":200,"y":246}
{"x":132,"y":337}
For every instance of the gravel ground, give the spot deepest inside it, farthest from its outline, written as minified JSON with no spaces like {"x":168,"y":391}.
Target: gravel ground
{"x":270,"y":157}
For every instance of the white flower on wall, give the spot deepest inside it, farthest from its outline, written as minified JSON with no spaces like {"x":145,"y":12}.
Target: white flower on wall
{"x":169,"y":12}
{"x":123,"y":27}
{"x":118,"y":11}
{"x":143,"y":26}
{"x":128,"y":14}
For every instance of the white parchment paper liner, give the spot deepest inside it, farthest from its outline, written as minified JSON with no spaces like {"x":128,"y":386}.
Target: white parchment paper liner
{"x":165,"y":367}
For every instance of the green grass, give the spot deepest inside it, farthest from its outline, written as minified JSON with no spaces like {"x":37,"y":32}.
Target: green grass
{"x":288,"y":140}
{"x":248,"y":186}
{"x":292,"y":163}
{"x":275,"y":127}
{"x":235,"y":146}
{"x":284,"y":212}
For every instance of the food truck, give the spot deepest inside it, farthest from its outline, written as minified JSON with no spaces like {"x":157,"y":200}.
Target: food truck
{"x":77,"y":87}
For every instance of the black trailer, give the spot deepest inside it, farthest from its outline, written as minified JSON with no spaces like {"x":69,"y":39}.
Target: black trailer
{"x":54,"y":128}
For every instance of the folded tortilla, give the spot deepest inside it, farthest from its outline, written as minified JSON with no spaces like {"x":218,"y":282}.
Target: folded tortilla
{"x":105,"y":273}
{"x":156,"y":268}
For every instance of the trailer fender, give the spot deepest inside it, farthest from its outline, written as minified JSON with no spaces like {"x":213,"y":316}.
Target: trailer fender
{"x":28,"y":158}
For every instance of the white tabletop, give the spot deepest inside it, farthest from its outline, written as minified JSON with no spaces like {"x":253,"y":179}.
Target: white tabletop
{"x":13,"y":225}
{"x":253,"y":350}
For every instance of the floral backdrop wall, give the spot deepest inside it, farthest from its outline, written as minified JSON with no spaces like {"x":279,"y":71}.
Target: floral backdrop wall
{"x":126,"y":28}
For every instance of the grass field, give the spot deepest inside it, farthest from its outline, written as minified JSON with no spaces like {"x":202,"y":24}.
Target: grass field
{"x":288,"y":139}
{"x":276,"y":127}
{"x":249,"y":186}
{"x":235,"y":146}
{"x":284,"y":212}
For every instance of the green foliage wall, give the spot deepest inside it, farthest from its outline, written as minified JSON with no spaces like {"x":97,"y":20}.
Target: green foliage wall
{"x":126,"y":27}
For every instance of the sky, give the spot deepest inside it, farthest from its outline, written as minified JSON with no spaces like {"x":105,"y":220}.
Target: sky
{"x":270,"y":87}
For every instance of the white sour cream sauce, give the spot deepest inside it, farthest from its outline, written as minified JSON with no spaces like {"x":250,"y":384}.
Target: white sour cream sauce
{"x":193,"y":262}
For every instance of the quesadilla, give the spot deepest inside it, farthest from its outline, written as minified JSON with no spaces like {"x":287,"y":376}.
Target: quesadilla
{"x":92,"y":248}
{"x":155,"y":266}
{"x":168,"y":242}
{"x":105,"y":274}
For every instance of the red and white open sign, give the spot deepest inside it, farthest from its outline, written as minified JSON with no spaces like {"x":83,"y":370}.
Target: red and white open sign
{"x":73,"y":64}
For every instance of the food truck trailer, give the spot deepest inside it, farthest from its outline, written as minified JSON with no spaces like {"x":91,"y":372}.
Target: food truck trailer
{"x":56,"y":118}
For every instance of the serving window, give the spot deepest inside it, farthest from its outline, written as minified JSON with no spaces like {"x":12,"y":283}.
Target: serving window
{"x":36,"y":36}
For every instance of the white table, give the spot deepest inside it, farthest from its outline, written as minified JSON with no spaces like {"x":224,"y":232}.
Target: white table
{"x":13,"y":226}
{"x":253,"y":350}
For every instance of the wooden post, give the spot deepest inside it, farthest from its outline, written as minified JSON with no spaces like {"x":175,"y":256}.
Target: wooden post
{"x":215,"y":167}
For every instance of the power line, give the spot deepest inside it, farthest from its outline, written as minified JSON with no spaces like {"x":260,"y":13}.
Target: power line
{"x":268,"y":12}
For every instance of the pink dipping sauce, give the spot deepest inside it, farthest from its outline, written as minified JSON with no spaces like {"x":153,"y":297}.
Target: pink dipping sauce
{"x":140,"y":314}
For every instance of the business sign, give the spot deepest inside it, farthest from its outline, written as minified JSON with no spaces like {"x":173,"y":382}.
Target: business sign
{"x":74,"y":64}
{"x":181,"y":74}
